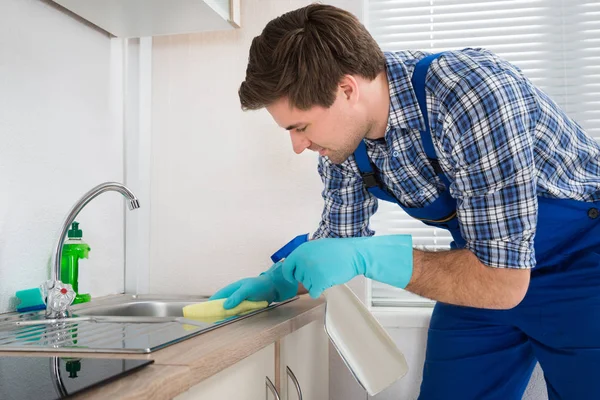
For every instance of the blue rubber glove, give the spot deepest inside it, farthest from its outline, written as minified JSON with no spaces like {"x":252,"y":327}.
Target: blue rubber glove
{"x":323,"y":263}
{"x":268,"y":286}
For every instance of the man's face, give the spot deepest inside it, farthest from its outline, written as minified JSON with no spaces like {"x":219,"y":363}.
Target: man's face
{"x":334,"y":132}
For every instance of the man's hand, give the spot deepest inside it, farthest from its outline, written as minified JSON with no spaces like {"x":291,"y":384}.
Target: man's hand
{"x":269,"y":286}
{"x":323,"y":263}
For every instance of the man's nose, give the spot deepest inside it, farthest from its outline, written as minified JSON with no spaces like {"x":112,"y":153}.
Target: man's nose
{"x":299,"y":142}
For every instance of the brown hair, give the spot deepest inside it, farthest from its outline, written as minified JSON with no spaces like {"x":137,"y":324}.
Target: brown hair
{"x":303,"y":55}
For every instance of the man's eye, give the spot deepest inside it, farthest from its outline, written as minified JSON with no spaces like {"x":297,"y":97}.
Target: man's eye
{"x":300,"y":129}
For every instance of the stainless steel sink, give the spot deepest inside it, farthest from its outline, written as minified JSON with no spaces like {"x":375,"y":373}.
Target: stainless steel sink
{"x":111,"y":337}
{"x":141,"y":308}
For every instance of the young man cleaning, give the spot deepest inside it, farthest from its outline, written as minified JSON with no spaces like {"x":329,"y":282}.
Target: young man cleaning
{"x":461,"y":140}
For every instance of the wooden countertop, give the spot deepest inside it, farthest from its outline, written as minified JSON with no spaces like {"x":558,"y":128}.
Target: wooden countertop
{"x":180,"y":366}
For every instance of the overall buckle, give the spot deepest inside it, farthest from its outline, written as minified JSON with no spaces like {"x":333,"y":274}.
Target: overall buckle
{"x":369,"y":180}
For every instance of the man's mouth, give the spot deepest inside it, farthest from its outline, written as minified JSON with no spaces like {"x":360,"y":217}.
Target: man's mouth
{"x":321,"y":150}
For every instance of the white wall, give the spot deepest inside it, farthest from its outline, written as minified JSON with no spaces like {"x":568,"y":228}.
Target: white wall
{"x":226,"y":188}
{"x":60,"y":135}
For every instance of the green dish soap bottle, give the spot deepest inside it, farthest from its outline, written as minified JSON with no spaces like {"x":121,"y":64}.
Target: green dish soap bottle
{"x":74,"y":248}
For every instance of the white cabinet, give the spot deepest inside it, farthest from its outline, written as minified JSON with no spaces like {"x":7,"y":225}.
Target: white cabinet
{"x":140,"y":18}
{"x":246,"y":380}
{"x":304,"y":364}
{"x":303,"y":371}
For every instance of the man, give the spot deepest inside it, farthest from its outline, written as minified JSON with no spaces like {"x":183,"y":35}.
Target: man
{"x":460,"y":140}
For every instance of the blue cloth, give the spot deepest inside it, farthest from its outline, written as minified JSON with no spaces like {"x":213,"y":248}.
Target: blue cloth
{"x":477,"y":354}
{"x":501,"y":142}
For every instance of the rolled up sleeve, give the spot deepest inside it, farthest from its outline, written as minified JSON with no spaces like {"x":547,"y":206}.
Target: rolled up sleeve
{"x":488,"y":140}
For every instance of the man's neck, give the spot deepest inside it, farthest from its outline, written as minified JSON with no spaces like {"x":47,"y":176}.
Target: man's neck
{"x":379,"y":107}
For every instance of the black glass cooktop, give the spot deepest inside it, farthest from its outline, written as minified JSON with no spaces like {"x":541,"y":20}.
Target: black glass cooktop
{"x":58,"y":377}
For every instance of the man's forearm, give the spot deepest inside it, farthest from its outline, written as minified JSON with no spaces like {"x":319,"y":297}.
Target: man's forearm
{"x":458,"y":277}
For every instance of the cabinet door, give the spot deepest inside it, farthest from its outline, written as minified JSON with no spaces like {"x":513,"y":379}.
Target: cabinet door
{"x":245,"y":380}
{"x":304,"y":363}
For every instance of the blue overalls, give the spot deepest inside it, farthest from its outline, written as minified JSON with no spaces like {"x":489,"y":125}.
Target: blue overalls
{"x":477,"y":354}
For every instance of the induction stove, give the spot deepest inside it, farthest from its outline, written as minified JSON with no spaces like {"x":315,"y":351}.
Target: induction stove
{"x":51,"y":378}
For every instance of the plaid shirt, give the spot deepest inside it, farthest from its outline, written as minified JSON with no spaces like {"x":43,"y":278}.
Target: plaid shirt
{"x":501,"y":141}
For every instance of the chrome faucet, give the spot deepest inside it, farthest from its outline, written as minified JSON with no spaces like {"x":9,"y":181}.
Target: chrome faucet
{"x":57,"y":305}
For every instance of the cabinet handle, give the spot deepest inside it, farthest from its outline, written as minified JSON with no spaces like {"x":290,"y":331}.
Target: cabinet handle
{"x":271,"y":387}
{"x":293,"y":377}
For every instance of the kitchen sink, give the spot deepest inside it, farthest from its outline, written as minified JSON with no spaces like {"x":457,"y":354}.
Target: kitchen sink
{"x":123,"y":334}
{"x":141,"y":308}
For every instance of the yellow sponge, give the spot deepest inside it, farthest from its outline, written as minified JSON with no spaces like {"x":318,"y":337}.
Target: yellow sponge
{"x":213,"y":310}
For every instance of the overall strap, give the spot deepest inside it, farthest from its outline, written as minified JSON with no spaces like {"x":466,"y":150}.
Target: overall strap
{"x":370,"y":181}
{"x":418,"y":83}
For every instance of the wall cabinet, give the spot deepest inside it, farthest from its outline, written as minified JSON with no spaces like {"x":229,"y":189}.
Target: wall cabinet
{"x":140,"y":18}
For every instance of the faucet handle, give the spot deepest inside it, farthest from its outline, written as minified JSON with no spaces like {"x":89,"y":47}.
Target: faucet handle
{"x":59,"y":297}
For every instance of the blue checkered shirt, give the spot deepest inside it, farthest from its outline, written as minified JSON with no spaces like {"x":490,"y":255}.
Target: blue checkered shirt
{"x":500,"y":140}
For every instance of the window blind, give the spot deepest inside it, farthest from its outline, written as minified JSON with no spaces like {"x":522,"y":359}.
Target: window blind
{"x":556,"y":43}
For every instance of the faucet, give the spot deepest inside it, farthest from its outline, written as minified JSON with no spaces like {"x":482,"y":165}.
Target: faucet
{"x":56,"y":305}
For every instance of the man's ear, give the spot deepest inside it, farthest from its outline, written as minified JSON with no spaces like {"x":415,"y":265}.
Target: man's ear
{"x":349,"y":87}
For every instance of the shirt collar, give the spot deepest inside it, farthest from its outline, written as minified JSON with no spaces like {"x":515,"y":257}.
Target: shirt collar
{"x":404,"y":107}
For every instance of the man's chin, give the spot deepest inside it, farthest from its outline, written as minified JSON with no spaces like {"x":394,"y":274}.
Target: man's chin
{"x":337,"y":157}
